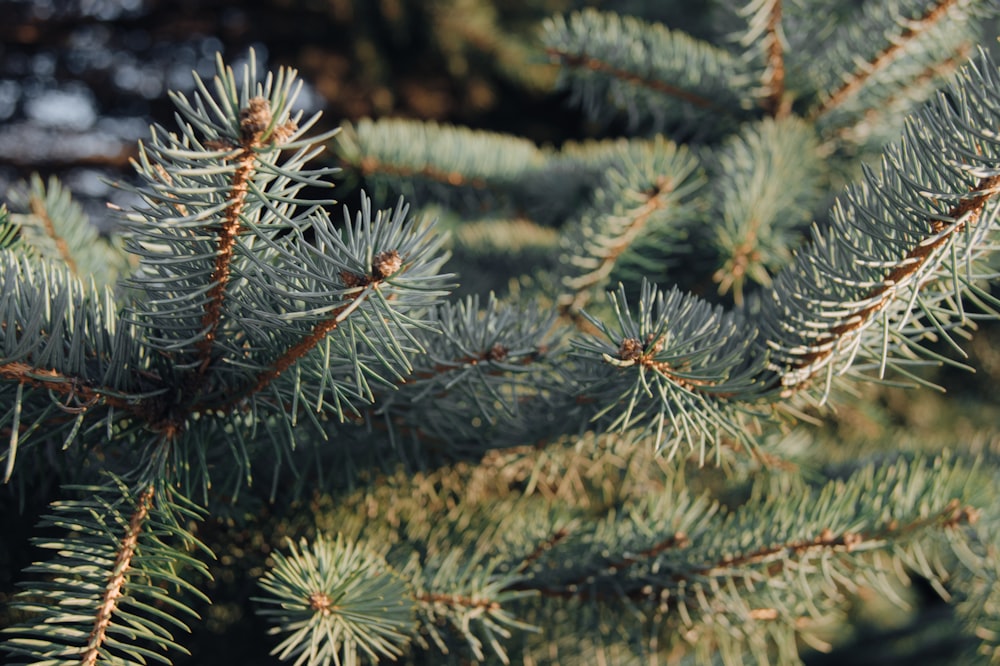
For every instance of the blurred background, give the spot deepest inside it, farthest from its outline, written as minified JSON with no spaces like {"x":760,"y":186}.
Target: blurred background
{"x":81,"y":80}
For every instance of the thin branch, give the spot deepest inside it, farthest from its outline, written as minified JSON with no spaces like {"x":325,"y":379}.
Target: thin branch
{"x":117,"y":580}
{"x":255,"y":121}
{"x":457,"y":600}
{"x":38,"y":210}
{"x":968,"y":210}
{"x":865,"y":71}
{"x":774,"y":75}
{"x":370,"y":165}
{"x":656,"y":199}
{"x":952,"y":515}
{"x":596,"y":65}
{"x":542,"y":548}
{"x":384,"y":265}
{"x":936,"y":71}
{"x":56,"y":382}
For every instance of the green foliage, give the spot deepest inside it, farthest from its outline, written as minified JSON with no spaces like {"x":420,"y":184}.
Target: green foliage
{"x":57,"y":228}
{"x":113,"y":589}
{"x":548,"y":473}
{"x":336,"y":600}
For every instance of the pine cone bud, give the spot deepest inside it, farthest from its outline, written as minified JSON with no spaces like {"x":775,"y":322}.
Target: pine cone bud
{"x":630,"y":349}
{"x":255,"y":118}
{"x":386,"y":264}
{"x":497,"y":353}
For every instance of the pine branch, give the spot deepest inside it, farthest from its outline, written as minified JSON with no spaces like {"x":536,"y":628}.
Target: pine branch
{"x":467,"y":169}
{"x":877,"y":126}
{"x":384,"y":265}
{"x":822,"y":308}
{"x":257,"y":131}
{"x":766,"y":184}
{"x":968,"y":212}
{"x":735,"y":594}
{"x":765,"y":32}
{"x":38,"y":210}
{"x":56,"y":227}
{"x":336,"y":601}
{"x":911,"y":29}
{"x":917,"y":239}
{"x":113,"y":590}
{"x":663,"y":77}
{"x":63,"y":362}
{"x":643,"y":191}
{"x":679,"y":368}
{"x":102,"y":595}
{"x":769,"y":570}
{"x":485,"y":379}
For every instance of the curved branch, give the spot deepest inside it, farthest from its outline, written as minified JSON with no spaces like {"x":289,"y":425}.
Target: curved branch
{"x":629,"y":230}
{"x":965,"y":213}
{"x":866,"y":71}
{"x":596,"y":65}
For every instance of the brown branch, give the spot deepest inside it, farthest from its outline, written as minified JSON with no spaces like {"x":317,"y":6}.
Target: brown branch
{"x":458,"y":600}
{"x":970,"y":209}
{"x":774,"y":76}
{"x":914,"y":29}
{"x":938,"y":70}
{"x":497,"y":353}
{"x":952,"y":515}
{"x":676,"y":540}
{"x":299,"y":349}
{"x":542,"y":548}
{"x":255,"y":120}
{"x":595,"y":65}
{"x":38,"y":210}
{"x":61,"y":384}
{"x":384,"y":265}
{"x":644,"y":354}
{"x":246,"y":162}
{"x":570,"y":304}
{"x":371,"y":165}
{"x":117,"y":579}
{"x":736,"y":267}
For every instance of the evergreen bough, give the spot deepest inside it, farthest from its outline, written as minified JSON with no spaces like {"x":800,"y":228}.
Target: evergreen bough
{"x":544,"y":474}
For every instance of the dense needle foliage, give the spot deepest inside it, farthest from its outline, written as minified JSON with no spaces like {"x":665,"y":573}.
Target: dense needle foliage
{"x":564,"y":412}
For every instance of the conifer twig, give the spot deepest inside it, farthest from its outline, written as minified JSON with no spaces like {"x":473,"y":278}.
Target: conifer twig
{"x":884,"y":58}
{"x":72,"y":388}
{"x":629,"y":229}
{"x":255,"y":122}
{"x":38,"y":209}
{"x":119,"y":574}
{"x":596,"y":65}
{"x":966,"y":213}
{"x":384,"y":265}
{"x":774,"y":74}
{"x":370,"y":165}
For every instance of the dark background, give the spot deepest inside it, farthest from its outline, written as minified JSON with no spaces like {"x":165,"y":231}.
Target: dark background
{"x":81,"y":80}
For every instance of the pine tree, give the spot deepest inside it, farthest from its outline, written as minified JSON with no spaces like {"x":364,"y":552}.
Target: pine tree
{"x":576,"y":429}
